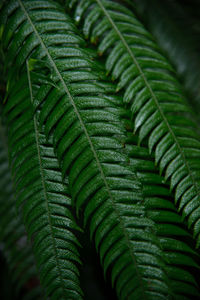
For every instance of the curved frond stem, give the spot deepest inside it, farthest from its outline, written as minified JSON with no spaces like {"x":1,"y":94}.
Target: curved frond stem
{"x":153,"y":94}
{"x":120,"y":35}
{"x":43,"y":180}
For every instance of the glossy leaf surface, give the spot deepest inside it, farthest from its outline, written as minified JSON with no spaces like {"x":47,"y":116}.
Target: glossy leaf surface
{"x":154,"y":95}
{"x":42,"y":198}
{"x":88,"y":143}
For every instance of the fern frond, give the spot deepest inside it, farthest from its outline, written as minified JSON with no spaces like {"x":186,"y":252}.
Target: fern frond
{"x":176,"y":30}
{"x":43,"y":199}
{"x":154,"y":95}
{"x":182,"y":259}
{"x":13,"y":238}
{"x":88,"y":138}
{"x":176,"y":241}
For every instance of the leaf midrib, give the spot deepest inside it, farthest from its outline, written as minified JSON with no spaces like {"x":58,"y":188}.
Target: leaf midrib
{"x":88,"y":138}
{"x":44,"y":186}
{"x":151,"y":92}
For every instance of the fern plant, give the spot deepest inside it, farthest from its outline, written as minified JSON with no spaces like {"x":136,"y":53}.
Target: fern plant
{"x":106,"y":144}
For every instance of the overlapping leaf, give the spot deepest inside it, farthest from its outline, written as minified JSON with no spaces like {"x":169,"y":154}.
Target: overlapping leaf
{"x":176,"y":29}
{"x":177,"y":243}
{"x":43,"y":199}
{"x":153,"y":94}
{"x":79,"y":110}
{"x":88,"y":138}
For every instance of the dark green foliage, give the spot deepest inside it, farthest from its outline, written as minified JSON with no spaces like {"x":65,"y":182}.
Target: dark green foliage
{"x":176,"y":28}
{"x":100,"y":180}
{"x":154,"y":95}
{"x":13,"y":238}
{"x":42,"y":197}
{"x":124,"y":154}
{"x":176,"y":241}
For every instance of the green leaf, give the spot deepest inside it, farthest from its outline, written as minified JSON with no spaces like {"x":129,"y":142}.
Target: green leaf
{"x":170,"y":228}
{"x":179,"y":39}
{"x":42,"y":198}
{"x":97,"y":190}
{"x":154,"y":95}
